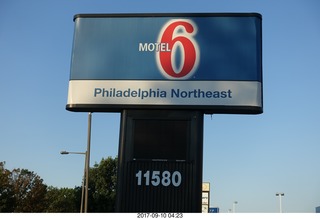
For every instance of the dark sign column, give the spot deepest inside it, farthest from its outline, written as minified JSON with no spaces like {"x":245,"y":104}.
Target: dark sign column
{"x":160,"y":161}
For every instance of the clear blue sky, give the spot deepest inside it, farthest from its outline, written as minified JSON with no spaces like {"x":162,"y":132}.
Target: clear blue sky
{"x":247,"y":158}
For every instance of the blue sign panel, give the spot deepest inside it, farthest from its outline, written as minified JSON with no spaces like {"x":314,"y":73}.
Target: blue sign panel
{"x":210,"y":62}
{"x":213,"y":210}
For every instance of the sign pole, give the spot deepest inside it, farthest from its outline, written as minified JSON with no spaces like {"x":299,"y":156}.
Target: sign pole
{"x":88,"y":161}
{"x":160,"y":161}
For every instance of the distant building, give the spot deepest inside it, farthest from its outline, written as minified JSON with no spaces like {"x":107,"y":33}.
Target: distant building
{"x":205,"y":197}
{"x":318,"y":209}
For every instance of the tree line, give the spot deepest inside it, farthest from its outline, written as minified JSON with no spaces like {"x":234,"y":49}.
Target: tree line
{"x":22,"y":190}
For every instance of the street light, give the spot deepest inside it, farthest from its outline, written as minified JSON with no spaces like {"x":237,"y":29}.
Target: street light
{"x":280,"y":194}
{"x":234,"y":206}
{"x":87,"y":162}
{"x":84,"y":174}
{"x":68,"y":152}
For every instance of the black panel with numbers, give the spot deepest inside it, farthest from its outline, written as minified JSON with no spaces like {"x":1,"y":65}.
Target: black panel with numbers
{"x":160,"y":161}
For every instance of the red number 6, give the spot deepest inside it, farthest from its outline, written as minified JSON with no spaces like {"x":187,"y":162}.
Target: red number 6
{"x":178,"y":34}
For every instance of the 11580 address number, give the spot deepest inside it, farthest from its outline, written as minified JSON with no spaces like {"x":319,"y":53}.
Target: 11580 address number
{"x":157,"y":178}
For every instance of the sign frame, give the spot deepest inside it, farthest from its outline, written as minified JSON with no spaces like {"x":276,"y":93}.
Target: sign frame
{"x":85,"y":95}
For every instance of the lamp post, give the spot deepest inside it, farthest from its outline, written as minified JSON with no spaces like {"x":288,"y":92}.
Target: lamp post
{"x":84,"y":174}
{"x":86,"y":164}
{"x":234,"y":206}
{"x":280,"y":194}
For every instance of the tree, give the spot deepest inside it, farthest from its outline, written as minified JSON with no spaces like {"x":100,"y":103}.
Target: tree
{"x":21,"y":190}
{"x":102,"y":186}
{"x":29,"y":191}
{"x":6,"y":190}
{"x":61,"y":200}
